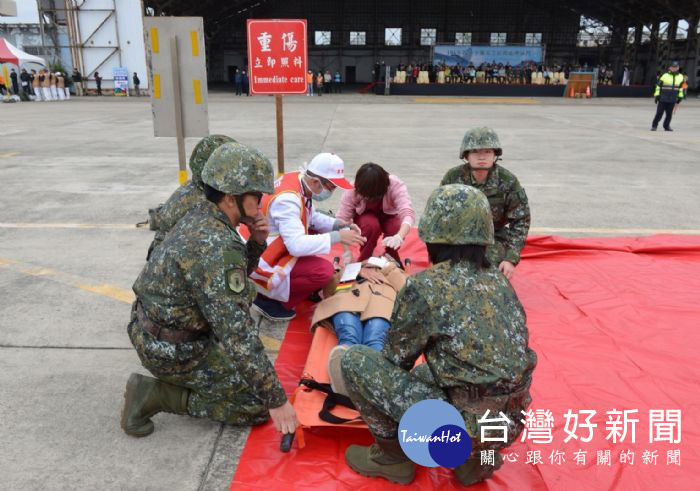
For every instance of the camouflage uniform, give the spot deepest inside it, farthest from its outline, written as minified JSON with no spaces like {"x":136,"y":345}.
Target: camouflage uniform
{"x":509,"y":205}
{"x":468,"y":323}
{"x":185,"y":198}
{"x":196,"y":281}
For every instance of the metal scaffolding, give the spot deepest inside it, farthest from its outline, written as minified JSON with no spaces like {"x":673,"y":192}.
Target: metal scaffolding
{"x":56,"y":15}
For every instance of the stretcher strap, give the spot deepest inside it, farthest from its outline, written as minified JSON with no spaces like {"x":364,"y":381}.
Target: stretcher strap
{"x":332,"y":399}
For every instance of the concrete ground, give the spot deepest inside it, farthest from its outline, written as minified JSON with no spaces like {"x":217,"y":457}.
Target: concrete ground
{"x":76,"y":176}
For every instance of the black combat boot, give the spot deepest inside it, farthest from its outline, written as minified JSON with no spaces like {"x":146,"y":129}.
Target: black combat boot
{"x":146,"y":396}
{"x":385,"y":458}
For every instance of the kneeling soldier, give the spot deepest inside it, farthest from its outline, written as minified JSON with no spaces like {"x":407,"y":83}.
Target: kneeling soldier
{"x":465,"y":317}
{"x":190,"y":323}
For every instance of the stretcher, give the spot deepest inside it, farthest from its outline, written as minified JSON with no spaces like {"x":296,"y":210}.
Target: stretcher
{"x":314,"y":401}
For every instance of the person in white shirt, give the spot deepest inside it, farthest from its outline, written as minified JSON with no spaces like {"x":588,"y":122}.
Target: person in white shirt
{"x":290,"y":270}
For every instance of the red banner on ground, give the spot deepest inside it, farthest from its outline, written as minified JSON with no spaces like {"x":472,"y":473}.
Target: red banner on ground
{"x":614,"y":322}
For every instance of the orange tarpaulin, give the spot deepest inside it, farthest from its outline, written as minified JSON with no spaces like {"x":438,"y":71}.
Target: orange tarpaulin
{"x":614,"y":322}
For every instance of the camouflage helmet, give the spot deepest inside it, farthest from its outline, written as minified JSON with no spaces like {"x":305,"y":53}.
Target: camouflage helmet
{"x":203,"y":150}
{"x":237,"y":169}
{"x":457,"y":214}
{"x":477,"y":138}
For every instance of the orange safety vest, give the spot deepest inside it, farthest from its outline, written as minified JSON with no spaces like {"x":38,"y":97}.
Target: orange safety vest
{"x":271,"y":276}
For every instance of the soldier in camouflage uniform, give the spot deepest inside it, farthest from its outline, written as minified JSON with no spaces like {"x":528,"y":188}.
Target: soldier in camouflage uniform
{"x":466,"y":318}
{"x":481,"y":150}
{"x":190,"y":323}
{"x":187,"y":196}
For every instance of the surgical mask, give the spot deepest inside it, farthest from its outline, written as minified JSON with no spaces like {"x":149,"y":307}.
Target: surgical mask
{"x":322,"y":196}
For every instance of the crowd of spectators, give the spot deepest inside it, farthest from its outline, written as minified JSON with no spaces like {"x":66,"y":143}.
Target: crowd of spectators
{"x":490,"y":73}
{"x":320,"y":83}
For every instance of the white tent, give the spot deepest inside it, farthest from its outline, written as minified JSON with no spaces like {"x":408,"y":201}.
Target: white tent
{"x":15,"y":56}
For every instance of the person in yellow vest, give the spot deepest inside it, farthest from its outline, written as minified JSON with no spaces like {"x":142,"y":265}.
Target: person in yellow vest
{"x":668,"y":93}
{"x":289,"y":271}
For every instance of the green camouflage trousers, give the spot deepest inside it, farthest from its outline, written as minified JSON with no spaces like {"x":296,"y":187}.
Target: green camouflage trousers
{"x":218,"y":391}
{"x":382,"y":392}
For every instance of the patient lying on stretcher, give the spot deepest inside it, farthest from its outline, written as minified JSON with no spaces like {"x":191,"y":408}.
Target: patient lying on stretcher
{"x":359,"y":311}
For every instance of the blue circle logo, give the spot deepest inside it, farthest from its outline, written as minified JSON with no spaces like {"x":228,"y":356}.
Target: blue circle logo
{"x":432,"y":433}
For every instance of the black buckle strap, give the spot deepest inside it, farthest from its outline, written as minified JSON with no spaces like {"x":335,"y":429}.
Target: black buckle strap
{"x":332,"y":400}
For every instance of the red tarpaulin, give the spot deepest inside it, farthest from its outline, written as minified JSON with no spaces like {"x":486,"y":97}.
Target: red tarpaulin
{"x":614,"y":322}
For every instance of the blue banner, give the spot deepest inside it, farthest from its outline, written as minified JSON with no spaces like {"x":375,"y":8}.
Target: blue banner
{"x":121,"y":81}
{"x":476,"y":55}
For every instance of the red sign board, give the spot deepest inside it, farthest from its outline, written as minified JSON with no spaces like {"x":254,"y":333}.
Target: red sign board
{"x":277,"y":56}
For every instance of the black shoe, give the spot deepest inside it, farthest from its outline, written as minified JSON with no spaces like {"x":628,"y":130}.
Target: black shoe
{"x":272,"y":309}
{"x":653,"y":128}
{"x":668,"y":129}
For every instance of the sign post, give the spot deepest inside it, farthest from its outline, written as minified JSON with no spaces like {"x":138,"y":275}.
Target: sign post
{"x":177,"y":95}
{"x":177,"y":72}
{"x":277,"y":59}
{"x":280,"y":133}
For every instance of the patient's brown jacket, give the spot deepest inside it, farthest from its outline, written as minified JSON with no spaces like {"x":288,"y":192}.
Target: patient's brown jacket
{"x":364,"y":298}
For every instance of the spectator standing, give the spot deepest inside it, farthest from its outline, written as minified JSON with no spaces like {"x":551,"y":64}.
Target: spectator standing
{"x":36,"y":87}
{"x":52,"y":85}
{"x":319,"y":84}
{"x":68,"y":82}
{"x":45,"y":80}
{"x":98,"y":82}
{"x":78,"y":82}
{"x":336,"y":82}
{"x":246,"y":83}
{"x":238,"y":82}
{"x":626,"y":76}
{"x":310,"y":83}
{"x":328,"y":81}
{"x":137,"y":83}
{"x":25,"y":79}
{"x":14,"y":82}
{"x":60,"y":86}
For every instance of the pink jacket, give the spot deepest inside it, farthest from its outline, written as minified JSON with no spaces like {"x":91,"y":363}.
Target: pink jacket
{"x":396,"y":201}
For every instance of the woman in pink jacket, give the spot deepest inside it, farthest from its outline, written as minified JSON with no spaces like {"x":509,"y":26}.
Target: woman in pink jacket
{"x":379,"y":204}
